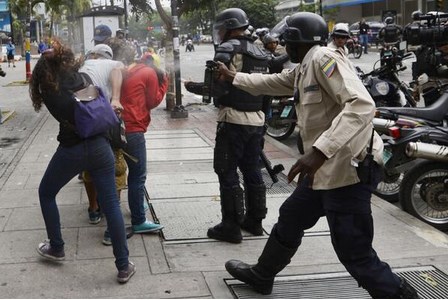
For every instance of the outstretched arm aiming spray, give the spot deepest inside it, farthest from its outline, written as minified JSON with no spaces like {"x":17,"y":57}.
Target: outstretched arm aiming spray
{"x":211,"y":88}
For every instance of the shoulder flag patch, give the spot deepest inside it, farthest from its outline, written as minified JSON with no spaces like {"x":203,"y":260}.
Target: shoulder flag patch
{"x":328,"y":67}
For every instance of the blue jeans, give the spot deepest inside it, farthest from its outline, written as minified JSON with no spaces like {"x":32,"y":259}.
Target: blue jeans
{"x":95,"y":156}
{"x":364,"y":39}
{"x":136,"y":147}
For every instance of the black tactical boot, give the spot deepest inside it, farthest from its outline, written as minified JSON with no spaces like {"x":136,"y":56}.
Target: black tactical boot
{"x":406,"y":291}
{"x":232,"y":209}
{"x":260,"y":277}
{"x":255,"y":209}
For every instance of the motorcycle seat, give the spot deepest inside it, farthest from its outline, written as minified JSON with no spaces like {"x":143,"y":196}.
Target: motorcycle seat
{"x":436,"y":112}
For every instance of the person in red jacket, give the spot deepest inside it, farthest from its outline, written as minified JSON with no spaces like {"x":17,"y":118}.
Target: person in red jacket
{"x":143,"y":89}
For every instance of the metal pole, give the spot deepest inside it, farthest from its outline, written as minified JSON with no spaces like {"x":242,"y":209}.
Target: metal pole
{"x":179,"y":111}
{"x":125,"y":19}
{"x":28,"y":43}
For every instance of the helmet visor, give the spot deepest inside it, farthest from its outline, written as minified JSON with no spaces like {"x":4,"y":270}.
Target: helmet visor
{"x":218,"y":34}
{"x":279,"y":29}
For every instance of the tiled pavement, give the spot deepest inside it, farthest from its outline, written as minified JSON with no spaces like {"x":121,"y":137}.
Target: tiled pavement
{"x":181,"y":262}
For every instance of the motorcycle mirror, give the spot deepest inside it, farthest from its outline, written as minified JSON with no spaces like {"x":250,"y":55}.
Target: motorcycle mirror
{"x":422,"y":79}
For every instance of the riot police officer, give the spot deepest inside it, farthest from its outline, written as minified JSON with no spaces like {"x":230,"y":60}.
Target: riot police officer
{"x":278,"y":56}
{"x":340,"y":167}
{"x":239,"y":133}
{"x":391,"y":33}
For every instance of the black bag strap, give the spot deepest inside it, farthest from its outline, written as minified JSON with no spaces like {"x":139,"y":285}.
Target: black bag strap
{"x":86,"y":79}
{"x":370,"y":149}
{"x":86,"y":82}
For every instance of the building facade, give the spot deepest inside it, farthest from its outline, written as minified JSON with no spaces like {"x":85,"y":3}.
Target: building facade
{"x":5,"y":17}
{"x":351,"y":11}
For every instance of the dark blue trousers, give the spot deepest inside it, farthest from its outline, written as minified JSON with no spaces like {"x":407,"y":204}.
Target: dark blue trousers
{"x":238,"y":146}
{"x":348,"y":213}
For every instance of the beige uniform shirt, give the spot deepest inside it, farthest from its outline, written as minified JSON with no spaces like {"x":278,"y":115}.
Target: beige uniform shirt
{"x":230,"y":115}
{"x":333,"y":46}
{"x":334,"y":112}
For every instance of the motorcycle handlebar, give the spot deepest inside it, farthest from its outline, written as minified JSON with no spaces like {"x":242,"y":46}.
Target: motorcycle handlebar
{"x":385,"y":67}
{"x":374,"y":72}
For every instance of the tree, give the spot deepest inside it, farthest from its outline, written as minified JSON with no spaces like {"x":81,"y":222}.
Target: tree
{"x":56,"y":8}
{"x":70,"y":9}
{"x":141,"y":8}
{"x":260,"y":13}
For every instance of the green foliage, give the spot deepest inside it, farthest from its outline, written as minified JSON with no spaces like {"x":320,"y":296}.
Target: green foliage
{"x":308,"y":8}
{"x":260,"y":13}
{"x":141,"y":9}
{"x":191,"y":21}
{"x":138,"y":29}
{"x":331,"y":13}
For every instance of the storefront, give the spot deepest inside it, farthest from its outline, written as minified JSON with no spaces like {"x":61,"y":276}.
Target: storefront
{"x":5,"y":17}
{"x":373,"y":10}
{"x":351,"y":11}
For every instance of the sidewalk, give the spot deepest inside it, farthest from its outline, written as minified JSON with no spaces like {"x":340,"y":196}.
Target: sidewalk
{"x":181,"y":262}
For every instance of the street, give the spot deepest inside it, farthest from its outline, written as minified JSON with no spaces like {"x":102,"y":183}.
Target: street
{"x":13,"y":132}
{"x":21,"y":119}
{"x":181,"y":262}
{"x":192,"y":68}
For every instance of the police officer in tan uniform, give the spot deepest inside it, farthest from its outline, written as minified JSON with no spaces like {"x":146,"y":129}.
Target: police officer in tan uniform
{"x":339,"y":37}
{"x":338,"y":171}
{"x":239,"y":132}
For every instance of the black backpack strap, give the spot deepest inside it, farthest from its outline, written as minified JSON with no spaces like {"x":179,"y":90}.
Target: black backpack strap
{"x":86,"y":78}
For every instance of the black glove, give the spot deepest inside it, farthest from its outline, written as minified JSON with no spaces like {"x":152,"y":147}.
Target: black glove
{"x":194,"y":87}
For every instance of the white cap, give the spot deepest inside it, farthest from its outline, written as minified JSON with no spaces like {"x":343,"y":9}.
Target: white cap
{"x":341,"y":29}
{"x":103,"y":50}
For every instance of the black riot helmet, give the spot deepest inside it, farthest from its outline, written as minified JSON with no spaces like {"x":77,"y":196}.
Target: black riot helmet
{"x":229,"y":19}
{"x":269,"y":39}
{"x":389,"y":20}
{"x":416,"y":15}
{"x":305,"y":28}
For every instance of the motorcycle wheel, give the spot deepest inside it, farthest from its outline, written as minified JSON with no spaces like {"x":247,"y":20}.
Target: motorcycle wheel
{"x":357,"y":51}
{"x":389,"y":189}
{"x":424,"y":194}
{"x":279,"y":131}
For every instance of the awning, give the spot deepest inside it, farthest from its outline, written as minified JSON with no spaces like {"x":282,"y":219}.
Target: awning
{"x":288,"y":4}
{"x":334,"y":3}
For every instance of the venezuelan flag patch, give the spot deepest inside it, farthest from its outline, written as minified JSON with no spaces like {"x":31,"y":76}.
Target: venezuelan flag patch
{"x":328,"y":67}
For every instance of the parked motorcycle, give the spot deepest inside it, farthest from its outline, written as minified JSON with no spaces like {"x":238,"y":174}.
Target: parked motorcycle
{"x":394,"y":122}
{"x":281,"y":119}
{"x":354,"y":47}
{"x":430,"y":89}
{"x":385,"y":86}
{"x":424,"y":188}
{"x":424,"y":192}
